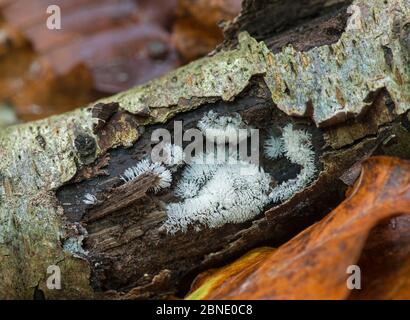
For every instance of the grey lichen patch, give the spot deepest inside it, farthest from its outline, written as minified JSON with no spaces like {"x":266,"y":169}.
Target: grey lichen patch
{"x":36,"y":158}
{"x":36,"y":163}
{"x":224,"y":76}
{"x":74,"y":245}
{"x":339,"y":80}
{"x":30,"y":229}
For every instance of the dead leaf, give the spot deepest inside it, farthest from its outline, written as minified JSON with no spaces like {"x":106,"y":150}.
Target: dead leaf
{"x":385,"y":262}
{"x":210,"y":281}
{"x":313,"y":265}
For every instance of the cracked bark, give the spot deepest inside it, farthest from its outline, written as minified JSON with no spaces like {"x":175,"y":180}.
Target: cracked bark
{"x":50,"y":165}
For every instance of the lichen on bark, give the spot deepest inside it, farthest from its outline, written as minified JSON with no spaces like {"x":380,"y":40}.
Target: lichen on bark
{"x":36,"y":158}
{"x":332,"y":82}
{"x":340,"y":80}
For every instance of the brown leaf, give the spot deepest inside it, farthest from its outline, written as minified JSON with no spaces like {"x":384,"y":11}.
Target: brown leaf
{"x":385,"y":262}
{"x":313,"y":265}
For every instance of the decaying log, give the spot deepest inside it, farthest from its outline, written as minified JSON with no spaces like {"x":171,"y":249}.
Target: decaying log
{"x":345,"y":81}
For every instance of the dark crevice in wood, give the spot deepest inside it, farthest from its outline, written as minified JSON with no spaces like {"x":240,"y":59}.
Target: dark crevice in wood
{"x":304,"y":23}
{"x":310,"y":33}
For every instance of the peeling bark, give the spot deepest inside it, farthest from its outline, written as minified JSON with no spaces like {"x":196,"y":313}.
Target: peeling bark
{"x":348,"y":88}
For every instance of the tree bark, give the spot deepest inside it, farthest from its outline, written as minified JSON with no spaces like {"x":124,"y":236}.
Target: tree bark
{"x":308,"y":63}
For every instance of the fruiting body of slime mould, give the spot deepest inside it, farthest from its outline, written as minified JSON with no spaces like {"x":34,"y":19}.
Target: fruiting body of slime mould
{"x":296,"y":145}
{"x":214,"y":193}
{"x":221,"y":129}
{"x":174,"y":155}
{"x":89,"y":199}
{"x":146,"y":166}
{"x":218,"y":194}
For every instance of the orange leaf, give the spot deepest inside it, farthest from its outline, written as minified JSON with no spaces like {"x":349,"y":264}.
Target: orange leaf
{"x":210,"y":281}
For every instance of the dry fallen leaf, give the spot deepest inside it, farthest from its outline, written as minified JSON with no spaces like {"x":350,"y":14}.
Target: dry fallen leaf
{"x":313,"y":265}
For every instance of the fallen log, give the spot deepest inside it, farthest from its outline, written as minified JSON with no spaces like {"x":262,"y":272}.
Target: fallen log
{"x":316,"y":73}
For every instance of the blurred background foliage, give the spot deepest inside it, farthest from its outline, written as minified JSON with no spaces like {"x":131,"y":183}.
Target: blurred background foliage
{"x":103,"y":47}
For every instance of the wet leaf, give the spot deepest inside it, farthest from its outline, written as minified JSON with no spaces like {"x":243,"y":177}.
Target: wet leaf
{"x":209,"y":282}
